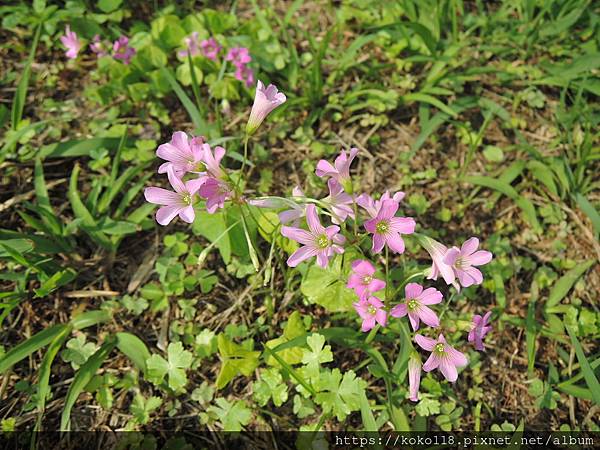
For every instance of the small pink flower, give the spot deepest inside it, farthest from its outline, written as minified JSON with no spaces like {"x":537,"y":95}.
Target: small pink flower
{"x":71,"y":42}
{"x":239,"y":56}
{"x":192,"y":45}
{"x":245,"y":74}
{"x":97,"y":46}
{"x":214,"y":187}
{"x":122,"y":50}
{"x":210,"y":48}
{"x":183,"y":154}
{"x":479,"y":328}
{"x":414,"y":376}
{"x":265,"y":101}
{"x":386,"y":228}
{"x":437,"y":251}
{"x":340,"y":202}
{"x":318,"y":241}
{"x":362,"y":281}
{"x":293,"y":216}
{"x":443,"y":356}
{"x":415,"y":305}
{"x":463,"y":260}
{"x":175,"y":203}
{"x":372,"y":206}
{"x":370,"y":311}
{"x":340,"y":170}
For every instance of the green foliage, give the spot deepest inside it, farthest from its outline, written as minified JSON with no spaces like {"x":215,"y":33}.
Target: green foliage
{"x":173,"y":368}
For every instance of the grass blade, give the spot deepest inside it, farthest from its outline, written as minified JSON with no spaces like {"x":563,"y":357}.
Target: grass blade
{"x":21,"y":93}
{"x":590,"y":211}
{"x":23,"y":350}
{"x":562,"y":287}
{"x":134,"y":348}
{"x":83,"y":377}
{"x":588,"y":373}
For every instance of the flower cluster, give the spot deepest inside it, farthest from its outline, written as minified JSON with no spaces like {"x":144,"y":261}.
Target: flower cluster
{"x":194,"y":168}
{"x":121,"y":49}
{"x":240,"y":58}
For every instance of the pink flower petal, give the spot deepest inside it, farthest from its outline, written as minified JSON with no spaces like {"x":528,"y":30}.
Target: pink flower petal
{"x":425,"y":343}
{"x":378,"y":243}
{"x":187,"y":214}
{"x":165,"y":214}
{"x":313,"y":220}
{"x":432,"y":362}
{"x":412,"y":290}
{"x":399,"y":310}
{"x":381,"y":317}
{"x":479,"y":258}
{"x":298,"y":235}
{"x":448,"y":370}
{"x":161,"y":196}
{"x":427,"y":315}
{"x":388,"y":209}
{"x":430,"y":296}
{"x":302,"y":254}
{"x":469,"y":246}
{"x":395,"y":242}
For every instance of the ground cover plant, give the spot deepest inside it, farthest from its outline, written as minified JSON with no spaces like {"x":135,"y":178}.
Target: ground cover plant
{"x":300,"y":215}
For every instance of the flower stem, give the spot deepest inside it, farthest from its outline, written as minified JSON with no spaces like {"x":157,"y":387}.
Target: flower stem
{"x":372,"y":334}
{"x":387,"y":274}
{"x":246,"y":138}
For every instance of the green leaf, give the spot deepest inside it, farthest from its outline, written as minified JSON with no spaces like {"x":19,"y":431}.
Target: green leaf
{"x":78,"y":351}
{"x":590,"y":211}
{"x":270,"y":385}
{"x":23,"y":350}
{"x":233,"y":416}
{"x":78,"y":147}
{"x":213,"y":227}
{"x":293,"y":329}
{"x":82,"y":378}
{"x":174,"y":367}
{"x":90,"y":318}
{"x":562,"y":287}
{"x":134,"y":348}
{"x":141,"y":407}
{"x":327,"y":287}
{"x":588,"y":372}
{"x":235,"y":360}
{"x":108,"y":6}
{"x":425,"y":98}
{"x":338,"y":395}
{"x":318,"y":353}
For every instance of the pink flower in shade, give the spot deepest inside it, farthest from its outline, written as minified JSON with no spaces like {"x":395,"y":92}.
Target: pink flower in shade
{"x":414,"y":376}
{"x":443,"y":356}
{"x":239,"y":56}
{"x":318,"y":241}
{"x":437,"y":251}
{"x":362,"y":281}
{"x":97,"y":46}
{"x":265,"y":101}
{"x":210,"y":48}
{"x":71,"y":42}
{"x":372,"y":206}
{"x":192,"y":45}
{"x":463,"y":260}
{"x":415,"y":305}
{"x":386,"y":228}
{"x":175,"y":203}
{"x":340,"y":170}
{"x":340,"y":202}
{"x":294,"y":215}
{"x":480,"y":327}
{"x":370,"y":311}
{"x":183,"y":154}
{"x":245,"y":74}
{"x":122,"y":50}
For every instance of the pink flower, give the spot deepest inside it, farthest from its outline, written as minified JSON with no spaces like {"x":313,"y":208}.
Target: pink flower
{"x":414,"y":376}
{"x":362,"y":281}
{"x":479,"y":329}
{"x":183,"y":154}
{"x":339,"y":201}
{"x":71,"y":42}
{"x":443,"y":356}
{"x":122,"y":50}
{"x":372,"y":206}
{"x":318,"y":241}
{"x":415,"y":305}
{"x":340,"y":170}
{"x":463,"y":260}
{"x":175,"y":203}
{"x":97,"y":46}
{"x":265,"y":101}
{"x":370,"y":311}
{"x":245,"y":74}
{"x":210,"y":48}
{"x":214,"y":187}
{"x":192,"y":45}
{"x":386,"y":228}
{"x":239,"y":56}
{"x":294,"y":215}
{"x":437,"y":251}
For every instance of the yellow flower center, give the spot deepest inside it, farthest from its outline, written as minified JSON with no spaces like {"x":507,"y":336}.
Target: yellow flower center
{"x":323,"y":241}
{"x":367,"y":279}
{"x":187,"y":199}
{"x":412,"y":304}
{"x":439,"y":348}
{"x":382,"y":227}
{"x":371,"y":310}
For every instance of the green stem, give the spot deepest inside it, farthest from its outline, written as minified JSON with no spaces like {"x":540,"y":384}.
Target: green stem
{"x":387,"y":274}
{"x":246,"y":138}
